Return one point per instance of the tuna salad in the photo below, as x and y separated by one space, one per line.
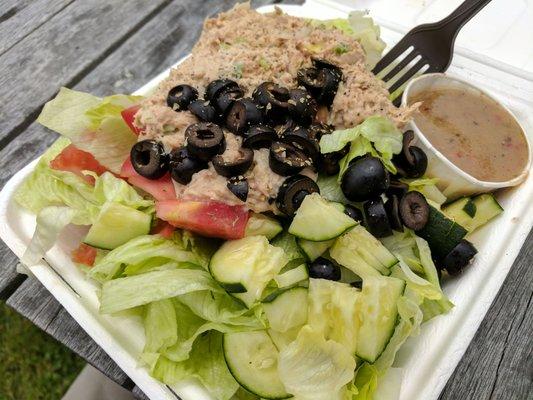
250 72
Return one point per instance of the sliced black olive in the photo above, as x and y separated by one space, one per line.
203 110
292 192
412 162
218 86
461 256
353 212
365 178
397 188
225 99
236 167
376 219
259 136
324 64
285 159
414 210
302 107
205 140
285 125
392 207
329 162
179 97
316 131
322 268
149 159
321 83
238 185
242 114
274 100
301 139
183 166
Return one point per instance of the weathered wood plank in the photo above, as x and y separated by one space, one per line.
18 18
34 302
499 362
138 393
10 280
61 52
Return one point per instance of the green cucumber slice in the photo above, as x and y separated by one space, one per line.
485 207
292 276
117 224
313 250
378 313
252 359
319 220
288 310
259 224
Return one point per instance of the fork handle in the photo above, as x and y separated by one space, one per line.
462 14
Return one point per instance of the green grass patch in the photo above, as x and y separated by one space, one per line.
32 364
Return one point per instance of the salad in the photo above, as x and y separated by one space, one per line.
261 211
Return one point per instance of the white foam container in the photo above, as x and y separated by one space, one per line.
428 359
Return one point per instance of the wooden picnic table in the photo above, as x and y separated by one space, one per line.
112 46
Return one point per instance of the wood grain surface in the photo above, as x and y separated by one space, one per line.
105 47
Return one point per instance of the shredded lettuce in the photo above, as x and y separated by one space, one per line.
160 325
313 368
92 124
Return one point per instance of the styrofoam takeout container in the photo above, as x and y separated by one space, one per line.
453 181
428 360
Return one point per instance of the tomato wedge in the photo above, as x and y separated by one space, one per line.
207 218
160 189
84 254
163 228
74 160
128 115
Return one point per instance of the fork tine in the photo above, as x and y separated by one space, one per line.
408 75
401 65
392 55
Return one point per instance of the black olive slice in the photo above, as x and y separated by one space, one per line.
322 268
225 99
412 162
300 139
325 64
179 97
302 107
329 162
218 86
392 207
259 136
316 131
149 159
238 185
183 166
308 78
236 167
274 100
376 219
460 257
292 191
397 188
242 114
321 83
365 178
353 212
205 140
414 210
286 160
287 125
203 110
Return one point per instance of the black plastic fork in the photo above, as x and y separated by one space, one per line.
432 43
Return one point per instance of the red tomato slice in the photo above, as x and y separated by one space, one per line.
128 115
163 228
161 189
75 160
207 218
84 254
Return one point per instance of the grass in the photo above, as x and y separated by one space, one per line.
32 364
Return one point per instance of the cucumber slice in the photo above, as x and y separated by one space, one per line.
292 276
441 233
252 359
378 313
472 213
245 266
313 250
283 339
117 224
362 253
288 310
319 220
261 225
